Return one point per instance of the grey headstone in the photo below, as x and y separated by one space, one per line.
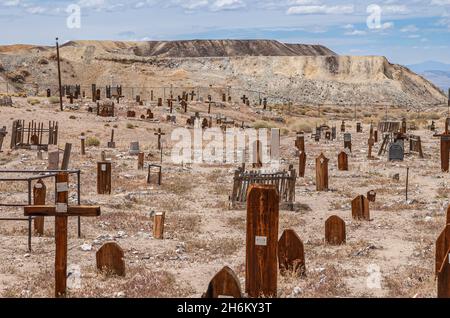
134 148
347 137
396 151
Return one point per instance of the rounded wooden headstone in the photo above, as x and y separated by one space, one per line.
110 259
360 208
224 283
335 231
291 254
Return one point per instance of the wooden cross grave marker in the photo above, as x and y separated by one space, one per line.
61 212
302 164
159 134
443 289
370 142
442 246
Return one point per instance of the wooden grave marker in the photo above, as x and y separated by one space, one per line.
302 164
3 134
262 241
442 246
343 161
291 254
110 259
61 212
371 196
104 177
257 155
224 284
83 143
53 160
343 126
158 225
443 289
335 231
322 173
448 215
39 195
348 141
112 144
66 157
140 164
159 172
360 208
159 134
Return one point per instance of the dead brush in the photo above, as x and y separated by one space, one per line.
325 283
222 247
183 225
128 221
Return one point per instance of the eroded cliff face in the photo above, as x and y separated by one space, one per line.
304 79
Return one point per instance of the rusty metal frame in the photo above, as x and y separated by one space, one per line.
38 174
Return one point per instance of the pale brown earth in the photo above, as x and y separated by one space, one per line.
202 235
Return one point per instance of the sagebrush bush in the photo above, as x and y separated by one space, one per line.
92 142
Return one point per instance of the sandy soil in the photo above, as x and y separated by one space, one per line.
202 235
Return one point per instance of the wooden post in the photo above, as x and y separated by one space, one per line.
224 283
442 246
62 198
59 77
159 134
39 195
445 149
360 208
83 148
322 173
262 240
158 225
291 254
343 161
141 161
335 231
104 177
66 157
302 164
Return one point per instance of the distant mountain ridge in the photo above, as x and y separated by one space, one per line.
210 48
436 72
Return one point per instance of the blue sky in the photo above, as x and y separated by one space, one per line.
408 31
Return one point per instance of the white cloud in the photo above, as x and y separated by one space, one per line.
227 5
36 10
356 32
410 28
322 9
441 2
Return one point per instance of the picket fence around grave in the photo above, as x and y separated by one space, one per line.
284 182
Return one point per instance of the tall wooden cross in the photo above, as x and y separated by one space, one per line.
61 212
192 94
244 99
159 134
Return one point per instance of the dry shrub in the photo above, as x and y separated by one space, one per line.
306 125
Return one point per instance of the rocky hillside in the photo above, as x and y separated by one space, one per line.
206 48
307 75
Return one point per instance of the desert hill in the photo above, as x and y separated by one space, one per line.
304 74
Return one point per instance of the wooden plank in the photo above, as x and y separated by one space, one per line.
39 195
110 259
335 231
45 210
66 157
224 283
262 241
302 164
291 255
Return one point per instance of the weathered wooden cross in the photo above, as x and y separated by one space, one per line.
61 211
159 134
370 142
